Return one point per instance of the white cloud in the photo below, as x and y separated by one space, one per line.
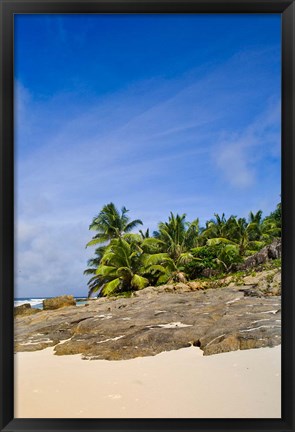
233 161
50 259
238 156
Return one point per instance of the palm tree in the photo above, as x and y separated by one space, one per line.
255 217
145 234
276 215
272 225
240 234
169 250
220 227
111 223
246 235
162 269
255 225
121 268
177 236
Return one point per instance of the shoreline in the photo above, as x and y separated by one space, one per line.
173 384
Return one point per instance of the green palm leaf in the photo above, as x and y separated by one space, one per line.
157 268
89 271
185 258
218 241
124 271
103 270
131 225
152 241
95 241
139 282
112 286
158 258
164 278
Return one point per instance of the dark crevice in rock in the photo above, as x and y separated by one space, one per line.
197 343
80 320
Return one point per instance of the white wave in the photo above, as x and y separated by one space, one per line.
33 302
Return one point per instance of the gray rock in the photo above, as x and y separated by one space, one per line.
269 252
216 320
58 302
25 309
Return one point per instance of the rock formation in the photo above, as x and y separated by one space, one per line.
239 316
25 309
58 302
269 252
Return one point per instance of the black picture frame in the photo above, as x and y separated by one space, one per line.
7 10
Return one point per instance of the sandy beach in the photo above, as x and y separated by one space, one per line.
181 383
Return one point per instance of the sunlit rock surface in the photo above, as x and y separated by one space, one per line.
161 319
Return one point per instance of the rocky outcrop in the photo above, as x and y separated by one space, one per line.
269 285
25 309
179 287
269 252
58 302
258 284
155 320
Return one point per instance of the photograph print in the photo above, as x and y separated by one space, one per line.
147 216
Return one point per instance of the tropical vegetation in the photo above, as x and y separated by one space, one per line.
178 251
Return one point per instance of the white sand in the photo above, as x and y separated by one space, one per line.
180 384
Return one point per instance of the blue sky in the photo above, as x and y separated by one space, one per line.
158 113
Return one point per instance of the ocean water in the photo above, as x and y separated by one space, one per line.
37 303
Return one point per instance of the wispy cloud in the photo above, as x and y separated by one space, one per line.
239 155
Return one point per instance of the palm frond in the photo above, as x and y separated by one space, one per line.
256 245
132 238
96 241
145 235
89 271
185 258
122 271
157 258
108 257
139 282
104 270
133 224
152 241
95 279
164 278
218 241
111 287
157 268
